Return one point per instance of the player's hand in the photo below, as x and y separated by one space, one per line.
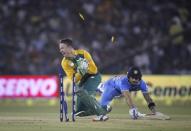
82 66
133 113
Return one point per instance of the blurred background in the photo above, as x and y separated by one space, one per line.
152 34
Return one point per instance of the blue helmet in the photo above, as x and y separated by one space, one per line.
135 73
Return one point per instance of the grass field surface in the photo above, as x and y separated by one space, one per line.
19 117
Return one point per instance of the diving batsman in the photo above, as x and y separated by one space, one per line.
123 85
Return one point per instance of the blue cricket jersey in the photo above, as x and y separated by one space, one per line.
116 85
121 83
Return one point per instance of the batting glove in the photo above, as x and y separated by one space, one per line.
133 113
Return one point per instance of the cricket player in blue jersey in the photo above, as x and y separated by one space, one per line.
123 85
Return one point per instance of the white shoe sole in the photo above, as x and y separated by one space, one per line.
97 120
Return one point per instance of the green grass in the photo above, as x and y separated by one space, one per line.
19 117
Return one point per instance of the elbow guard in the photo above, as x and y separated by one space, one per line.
151 105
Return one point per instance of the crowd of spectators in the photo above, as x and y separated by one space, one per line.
151 34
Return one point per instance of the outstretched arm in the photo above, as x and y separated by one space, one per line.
132 109
128 99
150 102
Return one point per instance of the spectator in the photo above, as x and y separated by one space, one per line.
30 29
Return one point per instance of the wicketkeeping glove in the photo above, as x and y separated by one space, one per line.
82 66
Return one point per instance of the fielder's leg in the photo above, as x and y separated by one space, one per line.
90 85
90 102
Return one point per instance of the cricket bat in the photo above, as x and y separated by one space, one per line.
156 116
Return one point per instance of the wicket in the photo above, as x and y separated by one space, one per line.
73 98
63 103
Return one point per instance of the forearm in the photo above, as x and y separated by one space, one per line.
128 99
77 77
151 104
130 103
132 109
92 68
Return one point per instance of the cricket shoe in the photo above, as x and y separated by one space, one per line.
109 108
100 118
100 88
80 113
